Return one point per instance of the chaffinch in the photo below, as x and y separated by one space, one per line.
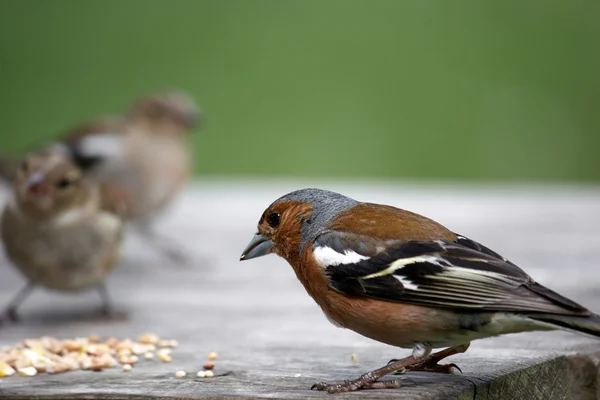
402 279
142 158
56 229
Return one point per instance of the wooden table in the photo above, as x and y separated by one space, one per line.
267 330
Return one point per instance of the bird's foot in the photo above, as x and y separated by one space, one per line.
416 362
359 384
11 315
431 362
370 380
108 313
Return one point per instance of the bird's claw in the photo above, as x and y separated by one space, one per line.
110 314
11 315
455 367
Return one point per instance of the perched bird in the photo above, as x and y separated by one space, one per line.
57 231
405 280
142 158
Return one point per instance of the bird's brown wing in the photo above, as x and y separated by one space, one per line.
112 124
384 222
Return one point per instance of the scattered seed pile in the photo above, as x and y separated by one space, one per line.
54 356
203 373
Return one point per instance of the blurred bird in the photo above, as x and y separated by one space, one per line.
405 280
56 229
9 167
143 158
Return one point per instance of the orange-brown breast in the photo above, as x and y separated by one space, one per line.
389 322
393 323
387 222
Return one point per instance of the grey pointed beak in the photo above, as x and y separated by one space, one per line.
259 246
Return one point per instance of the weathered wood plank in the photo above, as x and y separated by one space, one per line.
266 329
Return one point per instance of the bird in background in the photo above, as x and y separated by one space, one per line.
142 158
405 280
59 230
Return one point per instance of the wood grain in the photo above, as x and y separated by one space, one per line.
266 329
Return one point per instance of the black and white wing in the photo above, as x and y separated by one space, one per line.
462 274
93 150
96 142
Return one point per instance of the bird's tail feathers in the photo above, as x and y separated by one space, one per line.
587 325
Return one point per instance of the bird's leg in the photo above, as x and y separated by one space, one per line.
430 363
10 313
370 380
106 308
173 253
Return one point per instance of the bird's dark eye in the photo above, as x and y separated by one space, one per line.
273 219
63 183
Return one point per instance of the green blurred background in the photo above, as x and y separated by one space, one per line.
441 89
